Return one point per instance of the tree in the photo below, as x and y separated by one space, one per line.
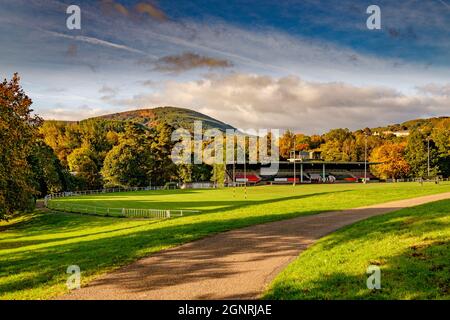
218 174
441 138
201 172
392 161
18 133
302 142
339 146
129 163
416 154
286 144
163 169
82 165
48 174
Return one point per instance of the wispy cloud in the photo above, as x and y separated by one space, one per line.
96 41
444 3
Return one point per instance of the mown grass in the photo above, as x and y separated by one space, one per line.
410 246
35 250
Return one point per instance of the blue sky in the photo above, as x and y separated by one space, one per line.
306 65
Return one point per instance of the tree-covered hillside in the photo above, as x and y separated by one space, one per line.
175 117
417 124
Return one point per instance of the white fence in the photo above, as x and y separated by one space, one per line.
153 213
101 191
67 206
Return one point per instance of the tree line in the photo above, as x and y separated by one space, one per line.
41 157
398 157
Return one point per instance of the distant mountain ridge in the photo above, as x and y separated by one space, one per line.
177 117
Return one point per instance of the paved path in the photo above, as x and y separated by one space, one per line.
237 264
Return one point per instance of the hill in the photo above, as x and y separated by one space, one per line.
177 117
438 122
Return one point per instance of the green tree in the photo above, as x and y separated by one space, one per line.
82 165
129 163
163 169
441 138
416 153
201 172
48 174
218 174
18 133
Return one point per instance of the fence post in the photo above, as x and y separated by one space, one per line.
168 214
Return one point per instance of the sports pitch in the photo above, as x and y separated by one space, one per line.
36 249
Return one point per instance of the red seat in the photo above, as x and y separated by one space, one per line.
250 178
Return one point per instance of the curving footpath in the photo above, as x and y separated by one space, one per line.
238 264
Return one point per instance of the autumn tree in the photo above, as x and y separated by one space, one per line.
339 145
392 162
18 133
286 144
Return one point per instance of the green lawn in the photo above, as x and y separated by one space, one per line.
411 247
36 249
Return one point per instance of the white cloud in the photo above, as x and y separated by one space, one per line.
435 89
254 101
61 112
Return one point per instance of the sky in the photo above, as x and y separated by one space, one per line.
305 65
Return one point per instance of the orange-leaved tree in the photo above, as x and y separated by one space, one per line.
18 134
392 163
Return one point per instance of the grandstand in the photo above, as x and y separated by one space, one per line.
301 169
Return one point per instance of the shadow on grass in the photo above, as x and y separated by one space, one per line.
219 205
118 250
400 221
49 264
412 274
420 271
7 244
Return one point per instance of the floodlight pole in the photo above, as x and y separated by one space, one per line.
245 176
428 161
365 159
293 152
234 176
301 170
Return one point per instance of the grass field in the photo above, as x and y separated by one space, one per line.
411 247
36 249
